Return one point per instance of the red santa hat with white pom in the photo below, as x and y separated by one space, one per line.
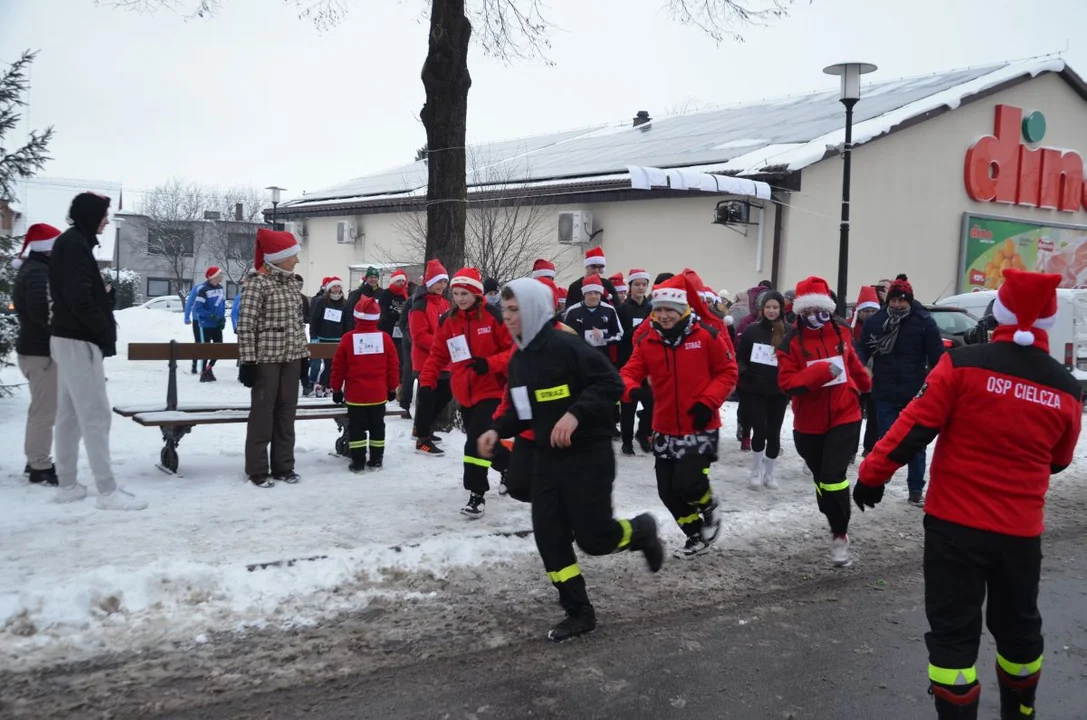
39 238
543 269
367 309
1027 300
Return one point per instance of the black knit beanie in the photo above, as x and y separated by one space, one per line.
663 276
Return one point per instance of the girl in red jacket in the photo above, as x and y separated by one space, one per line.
820 371
423 320
692 370
474 341
365 374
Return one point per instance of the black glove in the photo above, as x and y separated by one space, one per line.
866 495
247 374
337 397
391 396
480 366
702 414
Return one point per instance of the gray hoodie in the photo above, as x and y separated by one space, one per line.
537 308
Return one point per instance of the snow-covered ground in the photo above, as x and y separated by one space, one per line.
78 582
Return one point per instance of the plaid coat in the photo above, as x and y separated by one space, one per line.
271 326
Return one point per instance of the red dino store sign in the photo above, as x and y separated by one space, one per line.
1000 168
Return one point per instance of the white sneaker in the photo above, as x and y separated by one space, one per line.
711 522
754 479
120 499
695 546
75 493
768 478
839 551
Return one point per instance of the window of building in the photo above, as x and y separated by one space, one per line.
170 242
157 287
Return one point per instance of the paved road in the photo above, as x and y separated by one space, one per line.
848 649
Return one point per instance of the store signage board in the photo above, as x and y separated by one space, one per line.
1001 169
991 245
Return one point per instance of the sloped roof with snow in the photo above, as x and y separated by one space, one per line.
767 137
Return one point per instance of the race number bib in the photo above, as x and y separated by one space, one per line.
519 396
835 360
595 337
333 315
397 332
458 349
369 343
764 354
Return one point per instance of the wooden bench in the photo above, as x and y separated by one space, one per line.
176 420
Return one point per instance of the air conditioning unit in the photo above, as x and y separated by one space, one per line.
575 228
346 233
298 229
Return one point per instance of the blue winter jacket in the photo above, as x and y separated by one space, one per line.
209 307
235 310
897 377
189 302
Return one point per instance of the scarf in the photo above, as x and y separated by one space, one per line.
885 343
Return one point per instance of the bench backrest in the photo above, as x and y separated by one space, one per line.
209 351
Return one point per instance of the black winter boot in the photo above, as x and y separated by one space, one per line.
577 622
1017 694
44 477
644 537
956 702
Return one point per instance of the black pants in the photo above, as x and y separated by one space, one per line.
961 564
827 457
407 377
519 474
764 414
366 429
629 411
743 430
477 420
871 423
431 403
571 500
684 488
209 335
196 338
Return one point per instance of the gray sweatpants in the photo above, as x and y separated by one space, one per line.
41 373
82 412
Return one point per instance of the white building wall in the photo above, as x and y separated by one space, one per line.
908 195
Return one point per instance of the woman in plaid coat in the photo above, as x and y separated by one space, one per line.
271 350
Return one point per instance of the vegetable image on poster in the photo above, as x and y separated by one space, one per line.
992 245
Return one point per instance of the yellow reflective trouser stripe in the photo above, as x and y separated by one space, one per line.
704 499
688 519
567 573
364 404
377 443
354 444
1017 669
1024 710
469 460
831 487
556 393
627 532
945 676
705 471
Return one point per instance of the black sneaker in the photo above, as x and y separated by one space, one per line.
262 481
44 477
205 377
425 447
26 469
628 449
211 374
357 469
644 537
474 507
917 499
193 371
645 445
291 478
579 622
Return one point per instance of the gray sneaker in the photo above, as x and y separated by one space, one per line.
917 499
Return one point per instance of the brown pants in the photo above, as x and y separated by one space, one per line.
274 398
41 372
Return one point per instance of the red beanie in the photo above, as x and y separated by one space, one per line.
212 271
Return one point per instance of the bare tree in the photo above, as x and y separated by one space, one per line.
229 242
174 210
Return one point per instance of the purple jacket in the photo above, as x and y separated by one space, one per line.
752 308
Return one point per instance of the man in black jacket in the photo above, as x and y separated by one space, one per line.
594 265
565 392
31 297
84 333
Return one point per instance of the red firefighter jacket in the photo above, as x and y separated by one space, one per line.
804 373
1007 418
700 367
423 319
365 372
485 336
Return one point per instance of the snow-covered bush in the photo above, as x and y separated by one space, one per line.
126 283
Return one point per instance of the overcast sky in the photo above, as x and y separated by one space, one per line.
257 96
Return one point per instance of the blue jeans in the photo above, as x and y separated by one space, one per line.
314 370
886 414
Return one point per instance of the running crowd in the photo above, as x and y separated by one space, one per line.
546 379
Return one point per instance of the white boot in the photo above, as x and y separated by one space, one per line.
754 480
768 478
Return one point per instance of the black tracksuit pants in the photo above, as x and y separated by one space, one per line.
765 414
961 564
519 474
431 403
827 457
366 429
478 420
571 500
196 338
207 335
684 487
629 411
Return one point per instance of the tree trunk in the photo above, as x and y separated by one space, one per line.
445 117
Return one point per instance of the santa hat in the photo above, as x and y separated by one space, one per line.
867 300
1027 300
398 277
367 309
543 268
672 293
435 272
595 256
213 271
553 288
39 238
470 279
324 282
331 282
593 283
637 274
618 282
562 293
813 293
273 246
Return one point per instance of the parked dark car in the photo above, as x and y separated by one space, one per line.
953 323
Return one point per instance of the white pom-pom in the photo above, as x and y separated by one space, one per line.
729 320
17 263
1023 337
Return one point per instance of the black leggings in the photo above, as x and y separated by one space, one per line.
430 403
477 420
764 414
827 457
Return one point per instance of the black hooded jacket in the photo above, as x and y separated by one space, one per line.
82 310
31 297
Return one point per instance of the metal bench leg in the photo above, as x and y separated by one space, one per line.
343 441
171 436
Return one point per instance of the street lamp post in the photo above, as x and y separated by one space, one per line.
275 190
850 73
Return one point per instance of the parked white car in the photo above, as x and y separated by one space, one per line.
169 303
